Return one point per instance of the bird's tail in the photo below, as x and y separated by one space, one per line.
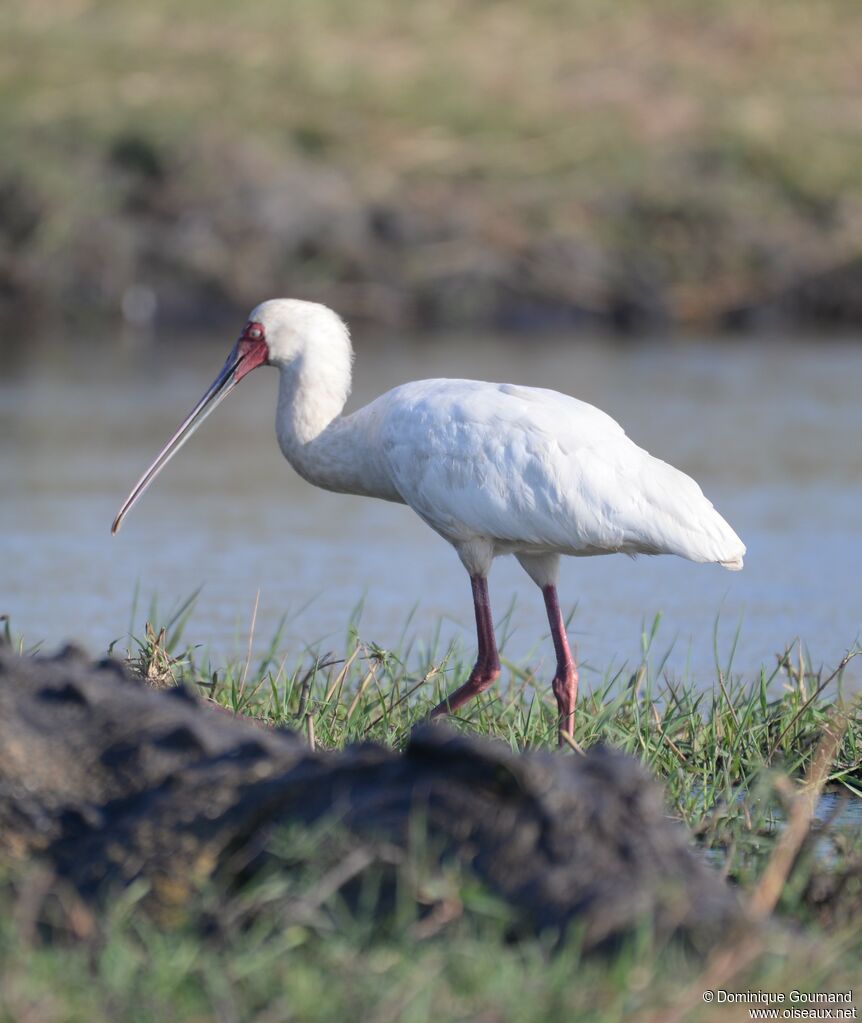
726 547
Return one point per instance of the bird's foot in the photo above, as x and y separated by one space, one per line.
481 678
565 686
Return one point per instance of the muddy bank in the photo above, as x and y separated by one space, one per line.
158 235
107 781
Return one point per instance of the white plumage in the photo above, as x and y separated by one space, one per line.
493 468
530 470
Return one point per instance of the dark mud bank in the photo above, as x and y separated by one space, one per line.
105 781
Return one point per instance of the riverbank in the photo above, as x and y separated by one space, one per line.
628 167
726 760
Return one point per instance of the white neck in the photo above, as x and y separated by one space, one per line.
325 448
311 394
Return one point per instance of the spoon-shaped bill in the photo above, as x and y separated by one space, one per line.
220 388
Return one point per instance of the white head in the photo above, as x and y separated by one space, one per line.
290 327
283 332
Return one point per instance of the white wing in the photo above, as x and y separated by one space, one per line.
533 469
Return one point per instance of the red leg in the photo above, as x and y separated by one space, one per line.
565 682
486 670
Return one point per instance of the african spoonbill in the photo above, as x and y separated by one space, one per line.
493 468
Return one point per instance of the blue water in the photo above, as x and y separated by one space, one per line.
769 428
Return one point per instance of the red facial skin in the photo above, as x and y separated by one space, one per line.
251 349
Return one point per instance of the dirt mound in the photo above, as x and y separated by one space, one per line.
107 781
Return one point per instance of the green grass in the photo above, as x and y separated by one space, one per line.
704 743
727 756
329 971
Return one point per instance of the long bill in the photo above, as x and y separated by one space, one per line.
224 383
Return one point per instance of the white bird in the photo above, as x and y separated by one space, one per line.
493 468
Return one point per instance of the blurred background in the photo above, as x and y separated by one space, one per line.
434 164
655 206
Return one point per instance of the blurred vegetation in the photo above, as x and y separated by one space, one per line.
436 164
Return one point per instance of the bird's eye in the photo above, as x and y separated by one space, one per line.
254 331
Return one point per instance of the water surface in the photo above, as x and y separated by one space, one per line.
769 429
